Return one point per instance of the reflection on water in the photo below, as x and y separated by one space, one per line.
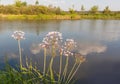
99 40
35 49
87 49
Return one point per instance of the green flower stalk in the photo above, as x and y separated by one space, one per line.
60 66
19 35
65 69
51 63
79 59
44 69
51 69
44 46
20 54
71 72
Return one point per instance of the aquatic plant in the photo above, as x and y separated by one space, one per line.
79 59
69 45
19 35
52 42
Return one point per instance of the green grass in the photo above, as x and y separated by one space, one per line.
38 17
101 16
59 17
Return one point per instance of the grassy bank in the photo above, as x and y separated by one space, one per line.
100 16
59 17
39 17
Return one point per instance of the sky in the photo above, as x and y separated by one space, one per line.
114 5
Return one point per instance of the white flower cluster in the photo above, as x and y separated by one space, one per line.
18 35
79 58
67 53
53 38
69 44
44 45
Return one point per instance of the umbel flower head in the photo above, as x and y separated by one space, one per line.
69 44
79 58
67 48
18 35
67 53
53 38
43 45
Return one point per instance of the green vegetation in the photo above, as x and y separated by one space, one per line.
29 73
94 9
37 2
82 8
19 3
21 10
59 17
39 17
106 10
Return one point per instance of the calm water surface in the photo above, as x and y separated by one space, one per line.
99 40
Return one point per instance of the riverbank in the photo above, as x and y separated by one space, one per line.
39 17
59 17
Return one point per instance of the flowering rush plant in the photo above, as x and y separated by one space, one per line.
53 42
19 35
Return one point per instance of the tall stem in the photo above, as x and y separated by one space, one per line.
60 69
51 63
20 54
65 69
51 70
74 73
44 69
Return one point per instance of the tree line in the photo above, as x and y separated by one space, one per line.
20 7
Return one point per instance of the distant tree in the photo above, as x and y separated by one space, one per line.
58 10
106 10
24 3
37 2
94 9
82 8
71 10
19 3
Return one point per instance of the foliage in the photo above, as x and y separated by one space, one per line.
71 11
94 9
37 2
106 10
58 10
82 8
31 75
20 8
19 3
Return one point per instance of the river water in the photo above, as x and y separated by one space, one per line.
98 40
